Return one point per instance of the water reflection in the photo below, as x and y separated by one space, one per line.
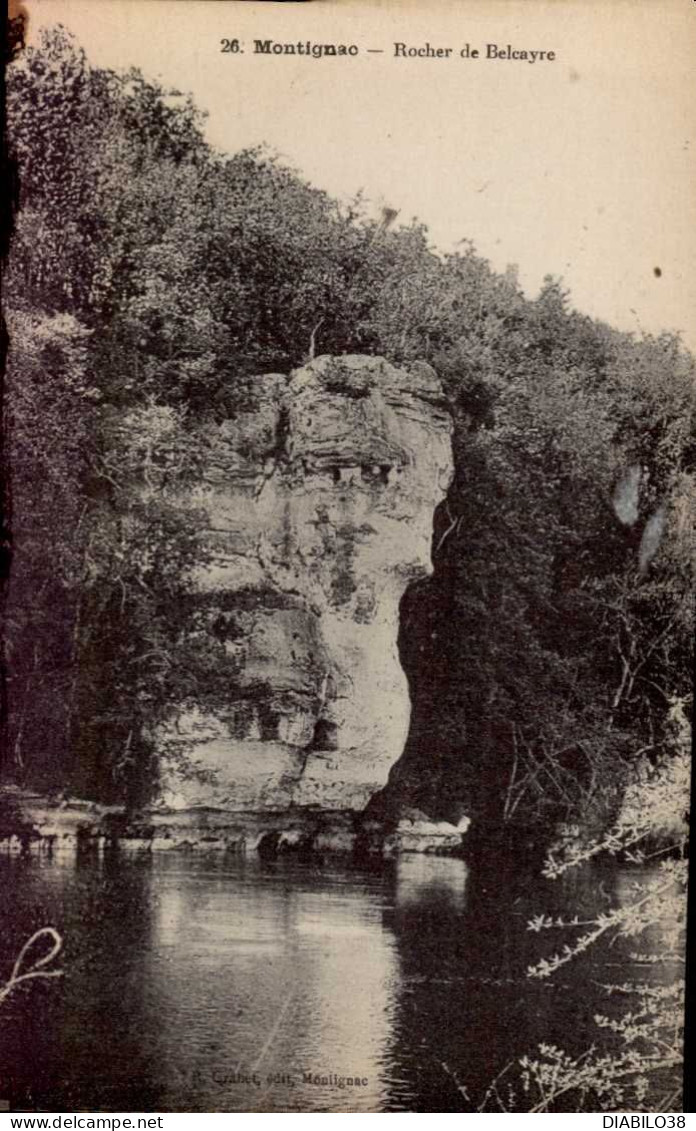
438 880
291 976
463 1002
230 986
190 985
467 1007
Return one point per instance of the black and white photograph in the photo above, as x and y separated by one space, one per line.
349 500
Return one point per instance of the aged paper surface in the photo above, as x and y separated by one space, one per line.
350 433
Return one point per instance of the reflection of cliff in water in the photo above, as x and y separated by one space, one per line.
198 984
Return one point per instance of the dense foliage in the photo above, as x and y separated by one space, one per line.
636 1061
150 279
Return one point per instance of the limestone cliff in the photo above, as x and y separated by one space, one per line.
319 498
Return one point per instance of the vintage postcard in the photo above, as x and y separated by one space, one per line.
349 452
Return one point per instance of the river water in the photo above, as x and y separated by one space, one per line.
198 984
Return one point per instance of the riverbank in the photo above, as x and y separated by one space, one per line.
37 825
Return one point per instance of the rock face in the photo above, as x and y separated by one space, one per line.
319 498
